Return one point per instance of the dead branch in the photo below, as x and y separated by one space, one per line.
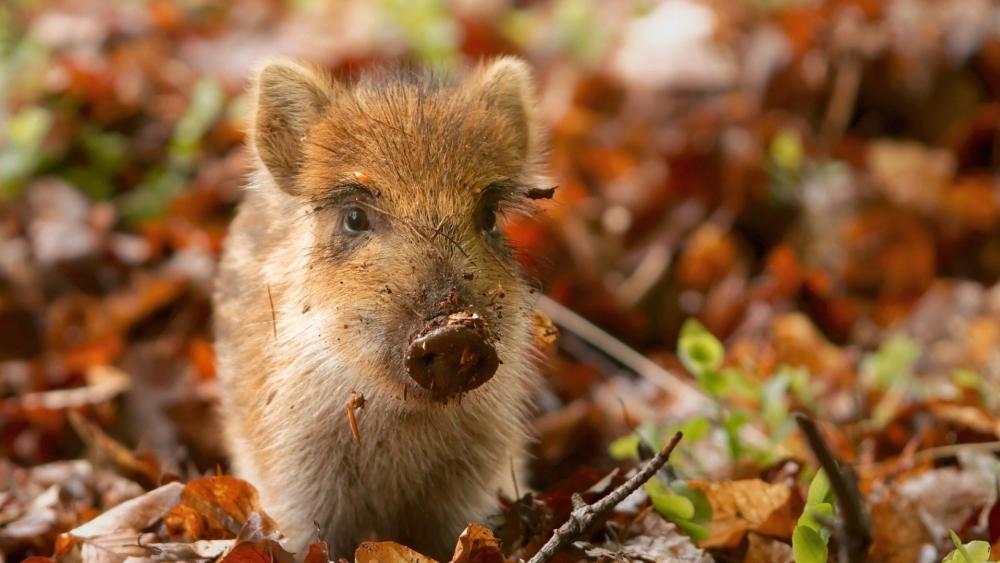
585 515
857 526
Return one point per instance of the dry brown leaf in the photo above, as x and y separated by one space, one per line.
899 534
766 550
652 539
202 549
215 508
971 417
318 552
115 534
745 506
544 330
950 497
261 551
909 173
477 544
388 552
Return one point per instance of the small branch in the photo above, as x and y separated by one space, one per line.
585 515
355 402
274 316
857 527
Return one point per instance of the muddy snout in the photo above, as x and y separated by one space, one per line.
452 354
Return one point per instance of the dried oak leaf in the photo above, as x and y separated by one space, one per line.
749 505
766 550
477 544
388 552
263 551
215 508
257 542
899 534
116 532
651 539
318 552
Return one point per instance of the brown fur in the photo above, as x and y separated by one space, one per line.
432 154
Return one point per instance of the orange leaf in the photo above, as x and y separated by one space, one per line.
215 508
477 544
388 552
749 505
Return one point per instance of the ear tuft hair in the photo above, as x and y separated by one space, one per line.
507 86
289 98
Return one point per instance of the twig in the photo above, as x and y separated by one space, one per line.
357 401
940 452
274 316
585 515
683 392
857 525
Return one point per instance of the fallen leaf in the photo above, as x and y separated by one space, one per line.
761 549
388 552
477 544
318 552
115 534
215 508
749 505
652 539
262 551
544 330
899 536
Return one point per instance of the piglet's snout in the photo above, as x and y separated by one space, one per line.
452 354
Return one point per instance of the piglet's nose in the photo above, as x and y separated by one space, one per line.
452 354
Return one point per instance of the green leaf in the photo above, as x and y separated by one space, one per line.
819 489
206 102
427 27
702 508
809 520
787 151
966 378
808 546
972 552
626 447
667 502
695 429
892 363
21 148
681 504
731 425
699 350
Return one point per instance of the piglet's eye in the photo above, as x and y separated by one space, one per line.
356 220
488 219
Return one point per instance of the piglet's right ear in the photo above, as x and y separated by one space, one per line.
290 97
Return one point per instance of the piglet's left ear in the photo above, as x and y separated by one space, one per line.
506 86
291 97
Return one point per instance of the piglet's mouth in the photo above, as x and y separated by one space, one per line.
452 354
